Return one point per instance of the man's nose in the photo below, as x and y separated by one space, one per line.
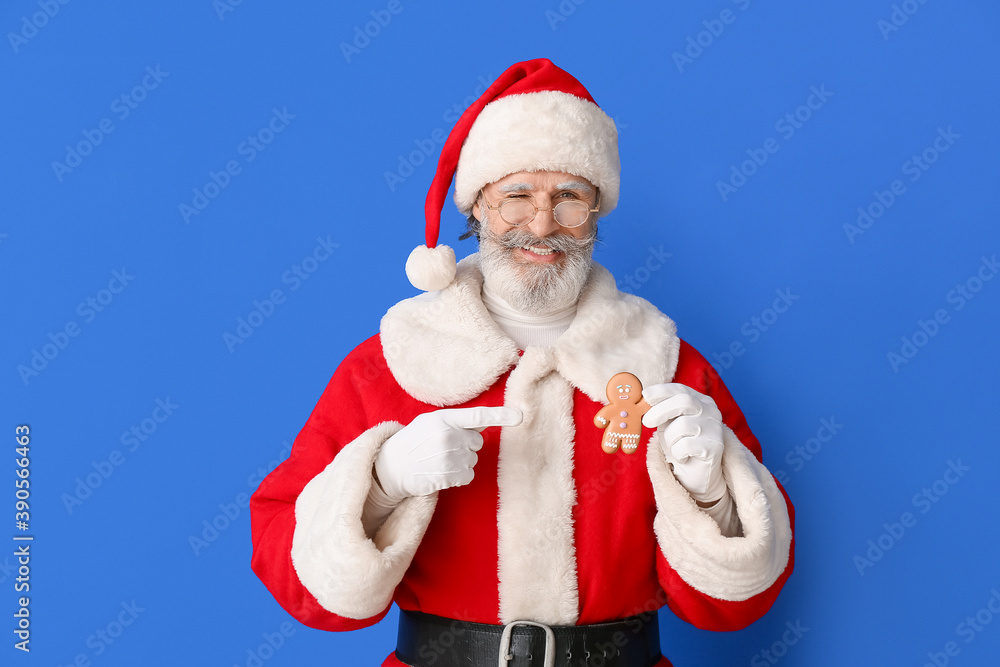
544 224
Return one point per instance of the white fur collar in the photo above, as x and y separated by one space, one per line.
444 349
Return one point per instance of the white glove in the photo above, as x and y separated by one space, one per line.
437 450
690 435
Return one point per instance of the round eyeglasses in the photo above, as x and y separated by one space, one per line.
520 211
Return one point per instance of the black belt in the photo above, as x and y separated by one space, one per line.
432 641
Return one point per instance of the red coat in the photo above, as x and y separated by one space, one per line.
562 534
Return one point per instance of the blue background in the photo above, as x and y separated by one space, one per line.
360 114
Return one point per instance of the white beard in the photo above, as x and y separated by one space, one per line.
535 289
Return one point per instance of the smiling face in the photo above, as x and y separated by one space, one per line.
539 267
624 387
545 189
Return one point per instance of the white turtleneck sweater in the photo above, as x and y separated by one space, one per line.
523 328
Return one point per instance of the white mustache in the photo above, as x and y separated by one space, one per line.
535 288
522 238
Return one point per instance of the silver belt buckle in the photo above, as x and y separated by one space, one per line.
550 643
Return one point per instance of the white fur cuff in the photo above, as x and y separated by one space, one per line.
350 575
726 568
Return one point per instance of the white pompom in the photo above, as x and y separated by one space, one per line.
431 269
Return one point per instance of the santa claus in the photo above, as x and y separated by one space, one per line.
453 465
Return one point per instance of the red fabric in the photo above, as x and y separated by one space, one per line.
530 76
454 572
621 571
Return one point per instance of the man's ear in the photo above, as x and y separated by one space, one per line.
476 213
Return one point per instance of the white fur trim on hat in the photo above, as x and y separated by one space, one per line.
543 131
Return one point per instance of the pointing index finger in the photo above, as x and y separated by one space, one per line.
480 417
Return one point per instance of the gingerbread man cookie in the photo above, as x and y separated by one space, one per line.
622 418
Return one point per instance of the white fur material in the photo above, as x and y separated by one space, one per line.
537 561
444 348
542 131
431 269
727 568
614 332
349 574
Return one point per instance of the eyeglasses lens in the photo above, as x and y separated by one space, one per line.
521 211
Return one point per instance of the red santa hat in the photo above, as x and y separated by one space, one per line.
535 117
